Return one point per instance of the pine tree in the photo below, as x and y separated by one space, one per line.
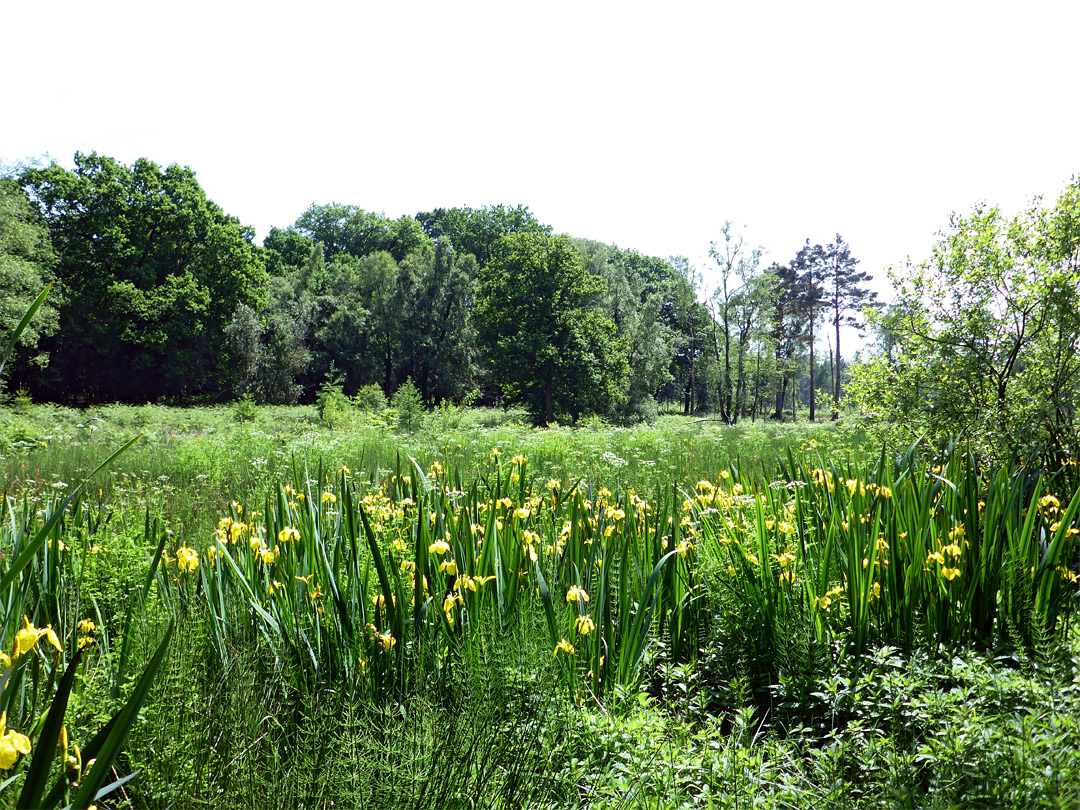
846 297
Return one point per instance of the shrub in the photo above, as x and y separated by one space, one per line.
410 407
245 409
370 399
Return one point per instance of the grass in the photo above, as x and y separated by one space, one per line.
765 626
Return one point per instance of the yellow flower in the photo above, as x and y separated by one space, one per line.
518 460
576 594
950 573
1049 501
28 637
521 513
12 743
86 626
788 577
823 602
288 535
935 556
387 641
439 547
450 567
495 453
784 559
876 590
187 559
584 625
565 646
329 496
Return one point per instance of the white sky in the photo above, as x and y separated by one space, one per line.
646 125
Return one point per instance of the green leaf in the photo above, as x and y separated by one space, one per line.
124 720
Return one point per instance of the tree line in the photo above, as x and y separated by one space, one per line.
159 295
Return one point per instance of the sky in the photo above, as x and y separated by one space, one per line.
643 125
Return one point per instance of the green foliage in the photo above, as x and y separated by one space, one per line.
245 409
548 343
409 406
332 404
27 261
152 271
982 337
370 399
348 229
744 691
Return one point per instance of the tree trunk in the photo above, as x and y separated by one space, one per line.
549 399
836 396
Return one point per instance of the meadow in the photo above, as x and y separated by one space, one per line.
259 607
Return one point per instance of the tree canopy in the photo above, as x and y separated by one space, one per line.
151 271
985 336
548 344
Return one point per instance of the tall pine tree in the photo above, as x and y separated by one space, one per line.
845 297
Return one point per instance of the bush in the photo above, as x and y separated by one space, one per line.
245 409
410 407
370 399
331 402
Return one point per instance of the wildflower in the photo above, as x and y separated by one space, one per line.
876 590
950 573
329 496
1050 501
784 559
439 547
576 594
522 513
552 484
788 577
86 626
519 460
935 556
450 567
187 559
288 535
28 637
823 602
266 556
387 641
495 454
565 646
436 468
12 743
584 625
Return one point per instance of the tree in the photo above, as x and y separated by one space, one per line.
808 266
734 308
478 231
26 266
788 320
548 344
845 297
152 272
349 229
984 336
